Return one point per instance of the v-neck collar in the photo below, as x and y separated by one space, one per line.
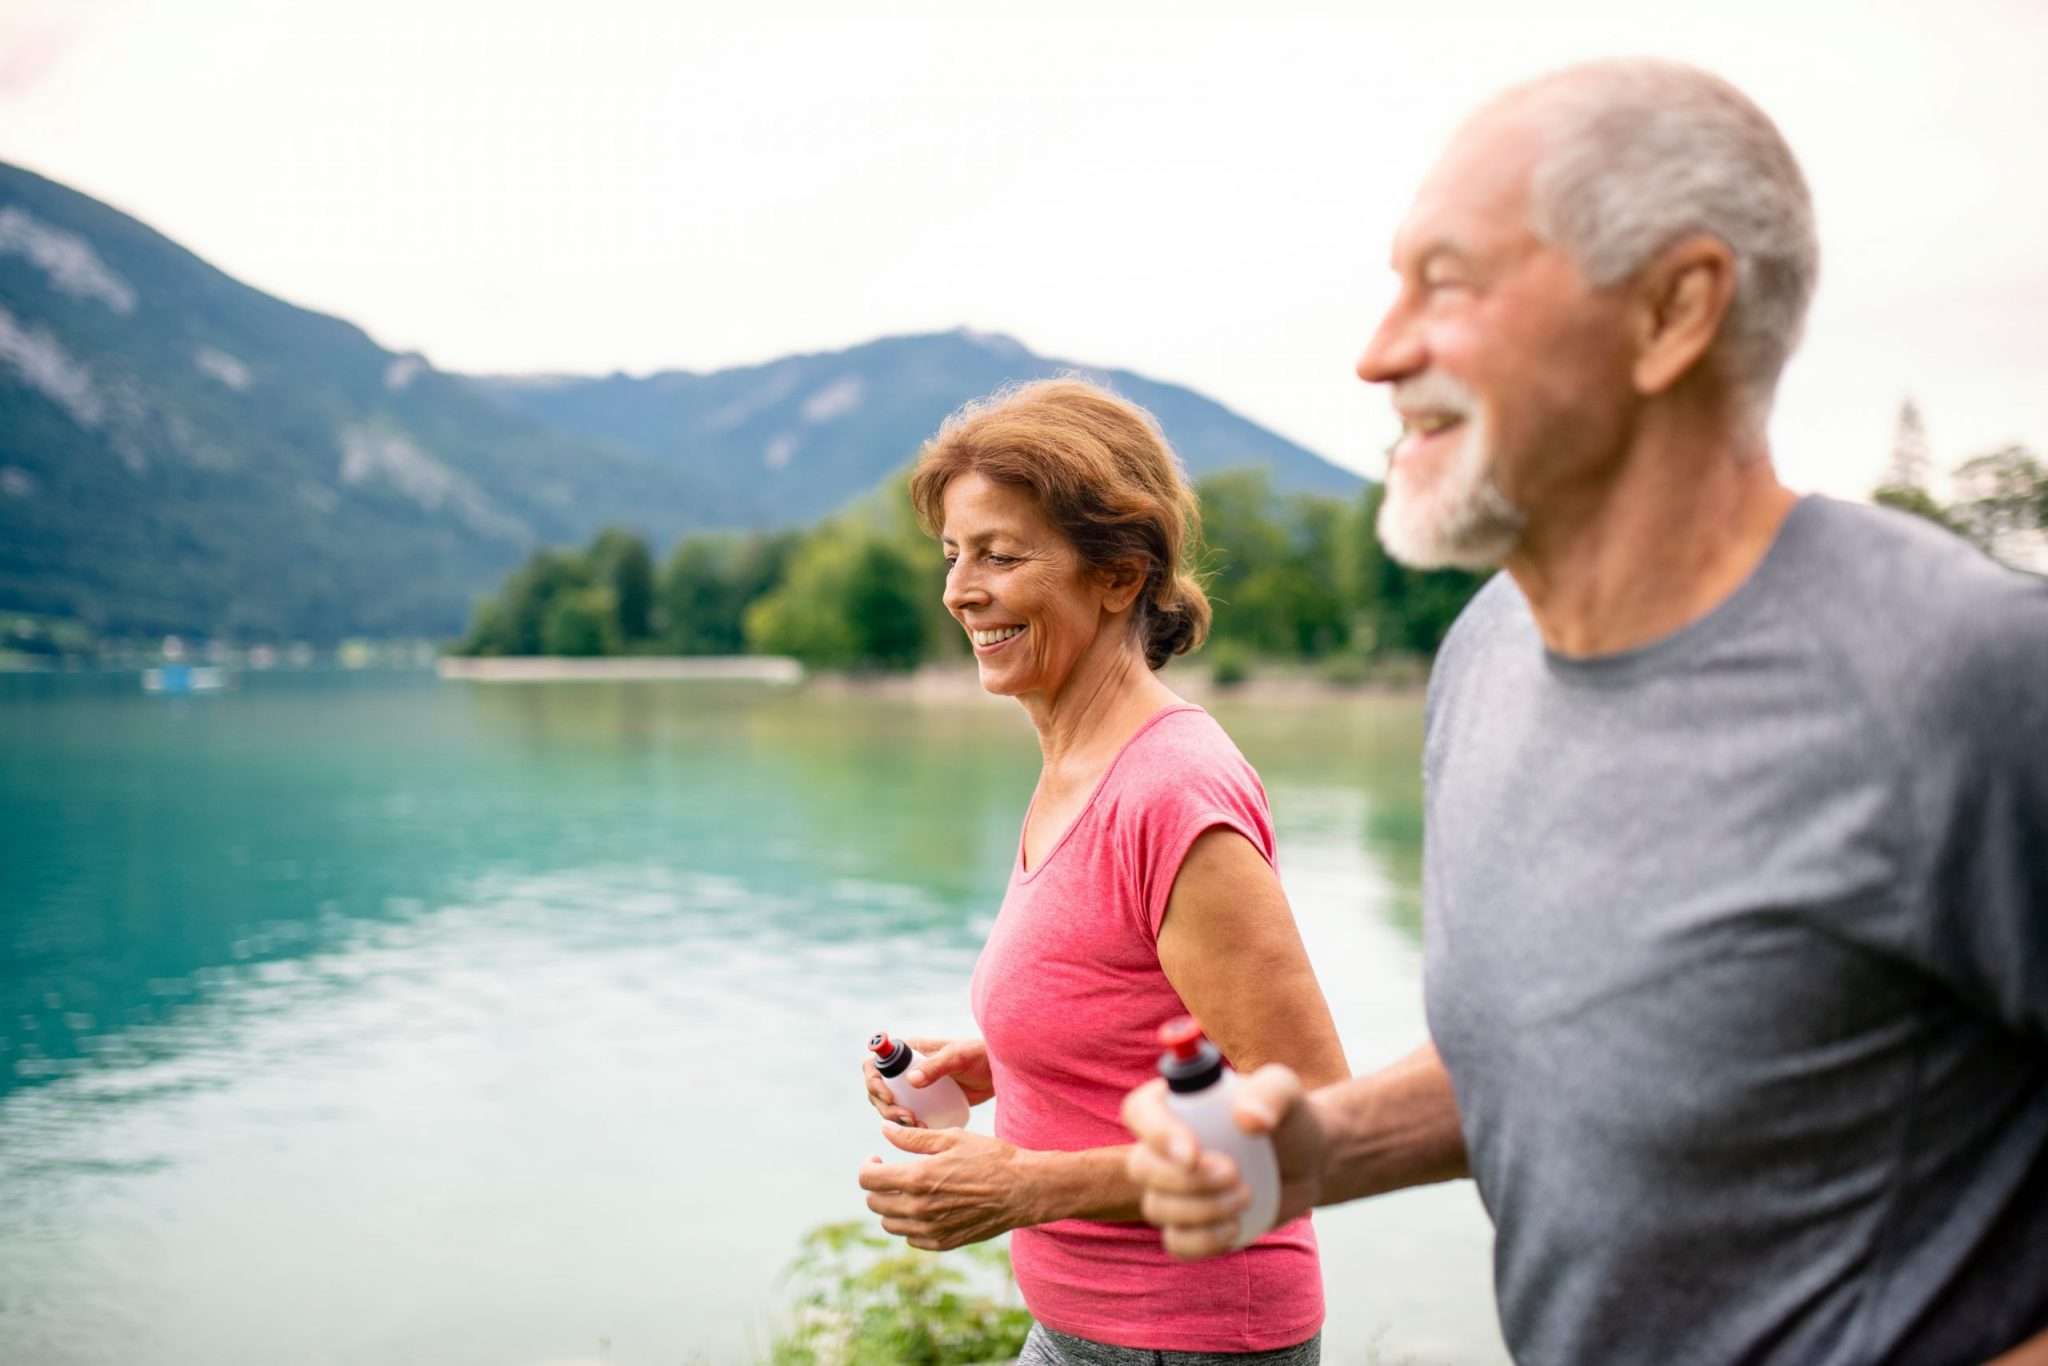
1024 874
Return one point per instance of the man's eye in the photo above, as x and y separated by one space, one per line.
952 560
1002 559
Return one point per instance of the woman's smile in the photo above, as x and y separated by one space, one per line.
988 641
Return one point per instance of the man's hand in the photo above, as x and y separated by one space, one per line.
1396 1128
1194 1197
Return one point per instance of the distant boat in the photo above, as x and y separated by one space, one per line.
178 679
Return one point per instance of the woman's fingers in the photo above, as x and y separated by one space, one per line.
890 1204
907 1228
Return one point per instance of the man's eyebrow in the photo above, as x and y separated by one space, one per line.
1443 249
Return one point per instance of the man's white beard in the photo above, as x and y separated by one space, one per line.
1463 520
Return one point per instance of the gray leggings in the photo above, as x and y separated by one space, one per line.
1046 1348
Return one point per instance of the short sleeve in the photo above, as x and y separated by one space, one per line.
1983 805
1189 781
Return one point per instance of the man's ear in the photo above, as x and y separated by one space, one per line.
1680 303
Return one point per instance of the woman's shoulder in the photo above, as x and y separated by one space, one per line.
1183 751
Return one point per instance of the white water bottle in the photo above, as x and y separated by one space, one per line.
1199 1091
940 1104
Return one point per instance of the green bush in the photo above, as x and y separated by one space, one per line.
869 1300
1229 663
1348 670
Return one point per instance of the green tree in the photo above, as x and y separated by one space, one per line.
1406 610
1917 501
710 581
2002 501
514 622
619 560
583 621
881 601
808 615
1240 538
850 601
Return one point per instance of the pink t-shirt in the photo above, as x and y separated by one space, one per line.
1070 996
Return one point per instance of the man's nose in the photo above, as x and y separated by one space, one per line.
1394 351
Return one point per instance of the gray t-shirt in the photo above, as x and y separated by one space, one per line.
1737 952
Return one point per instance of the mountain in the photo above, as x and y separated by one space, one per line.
794 439
181 452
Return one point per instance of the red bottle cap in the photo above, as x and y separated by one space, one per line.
880 1046
1182 1037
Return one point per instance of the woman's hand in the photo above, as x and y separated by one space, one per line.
967 1189
964 1060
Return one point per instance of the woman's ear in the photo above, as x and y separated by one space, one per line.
1121 583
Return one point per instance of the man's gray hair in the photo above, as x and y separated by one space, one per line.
1641 153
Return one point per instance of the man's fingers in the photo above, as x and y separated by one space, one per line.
1210 1174
1264 1097
1192 1211
1191 1244
906 1228
1154 1126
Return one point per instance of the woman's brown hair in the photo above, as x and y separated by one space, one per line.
1105 477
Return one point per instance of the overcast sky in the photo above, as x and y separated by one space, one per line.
1182 189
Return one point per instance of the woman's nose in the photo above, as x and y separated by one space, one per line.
962 591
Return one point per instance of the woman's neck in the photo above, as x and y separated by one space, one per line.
1108 694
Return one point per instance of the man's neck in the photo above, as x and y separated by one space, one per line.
1685 519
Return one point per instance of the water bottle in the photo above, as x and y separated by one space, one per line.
940 1104
1199 1087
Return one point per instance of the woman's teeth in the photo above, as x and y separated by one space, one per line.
995 637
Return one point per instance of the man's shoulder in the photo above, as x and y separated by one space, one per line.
1925 616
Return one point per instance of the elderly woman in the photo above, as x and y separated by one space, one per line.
1143 889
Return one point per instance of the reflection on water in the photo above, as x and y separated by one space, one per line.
370 1019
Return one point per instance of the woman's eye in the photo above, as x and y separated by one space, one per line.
952 560
1002 559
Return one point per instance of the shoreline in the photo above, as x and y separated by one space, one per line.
774 670
951 683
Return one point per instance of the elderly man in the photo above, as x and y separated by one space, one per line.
1736 854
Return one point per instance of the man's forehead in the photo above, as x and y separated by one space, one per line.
1478 191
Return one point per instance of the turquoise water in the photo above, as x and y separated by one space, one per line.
368 1018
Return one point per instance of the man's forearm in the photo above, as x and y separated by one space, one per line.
1395 1128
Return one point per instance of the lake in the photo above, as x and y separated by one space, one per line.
367 1018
